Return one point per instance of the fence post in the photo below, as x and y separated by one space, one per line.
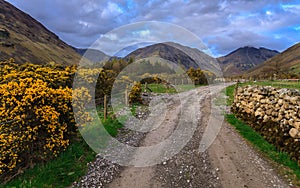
105 107
126 96
145 89
236 88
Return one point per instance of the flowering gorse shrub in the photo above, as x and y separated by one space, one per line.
55 75
81 97
36 116
135 93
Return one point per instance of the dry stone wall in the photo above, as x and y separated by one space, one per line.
274 113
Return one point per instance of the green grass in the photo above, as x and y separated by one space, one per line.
276 84
68 167
292 170
186 87
59 172
161 88
134 108
262 145
111 125
229 91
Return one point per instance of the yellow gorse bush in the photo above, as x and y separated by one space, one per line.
80 98
36 116
135 93
55 75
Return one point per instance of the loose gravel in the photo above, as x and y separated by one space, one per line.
101 172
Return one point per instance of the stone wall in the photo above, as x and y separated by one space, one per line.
274 113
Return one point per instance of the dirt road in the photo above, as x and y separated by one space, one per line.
228 162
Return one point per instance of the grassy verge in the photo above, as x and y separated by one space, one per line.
59 172
161 88
266 148
290 168
68 167
280 84
229 91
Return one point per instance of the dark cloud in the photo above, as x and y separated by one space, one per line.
223 25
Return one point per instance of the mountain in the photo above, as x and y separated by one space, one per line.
125 51
92 54
26 40
243 59
205 61
286 63
176 53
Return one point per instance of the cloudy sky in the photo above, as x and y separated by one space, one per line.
223 25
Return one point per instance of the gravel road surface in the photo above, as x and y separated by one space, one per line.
228 162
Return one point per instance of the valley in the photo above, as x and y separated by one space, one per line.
212 102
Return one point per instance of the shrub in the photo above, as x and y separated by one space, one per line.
34 122
135 93
36 116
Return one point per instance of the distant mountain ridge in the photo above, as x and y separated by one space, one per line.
164 51
244 59
287 63
176 53
92 54
26 40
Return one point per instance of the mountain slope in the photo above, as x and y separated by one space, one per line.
92 54
286 63
176 53
205 61
25 39
243 59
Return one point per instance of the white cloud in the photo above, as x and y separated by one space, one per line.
295 8
297 28
142 33
111 10
89 6
268 12
111 36
83 23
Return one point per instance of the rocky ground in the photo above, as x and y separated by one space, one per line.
101 172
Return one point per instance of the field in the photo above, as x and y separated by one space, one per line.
161 88
276 84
